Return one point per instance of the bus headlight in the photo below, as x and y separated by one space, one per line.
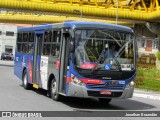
75 80
131 84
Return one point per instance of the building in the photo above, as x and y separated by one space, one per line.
147 45
8 35
147 41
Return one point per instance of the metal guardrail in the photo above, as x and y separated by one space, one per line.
139 10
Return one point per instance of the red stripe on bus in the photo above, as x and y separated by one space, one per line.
91 81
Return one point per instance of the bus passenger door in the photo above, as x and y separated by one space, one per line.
64 61
39 36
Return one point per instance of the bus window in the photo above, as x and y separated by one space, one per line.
19 47
55 50
30 48
19 42
24 48
48 36
46 49
30 42
31 37
25 37
19 37
56 43
47 43
56 36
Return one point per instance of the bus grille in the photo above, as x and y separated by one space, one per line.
104 86
97 94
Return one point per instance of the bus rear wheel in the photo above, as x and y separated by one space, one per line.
53 91
25 83
105 100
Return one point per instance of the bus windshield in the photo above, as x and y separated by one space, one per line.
103 49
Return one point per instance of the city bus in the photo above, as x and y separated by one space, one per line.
69 59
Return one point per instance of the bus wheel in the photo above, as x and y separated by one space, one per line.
53 91
105 100
25 83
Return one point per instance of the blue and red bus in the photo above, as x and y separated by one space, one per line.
69 59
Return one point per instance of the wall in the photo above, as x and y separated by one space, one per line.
9 41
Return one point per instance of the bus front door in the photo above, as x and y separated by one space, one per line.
64 60
39 36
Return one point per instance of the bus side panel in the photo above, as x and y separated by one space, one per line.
23 61
47 67
18 69
52 67
44 72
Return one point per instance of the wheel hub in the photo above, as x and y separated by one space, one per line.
53 87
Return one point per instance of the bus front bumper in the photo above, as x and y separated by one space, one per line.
83 92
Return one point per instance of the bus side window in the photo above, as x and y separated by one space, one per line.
30 42
25 37
31 37
55 50
19 37
19 47
47 43
19 42
46 49
48 36
30 48
56 43
56 36
25 48
25 43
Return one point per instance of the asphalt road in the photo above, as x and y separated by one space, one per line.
13 97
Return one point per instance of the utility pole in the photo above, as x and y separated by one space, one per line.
78 11
117 12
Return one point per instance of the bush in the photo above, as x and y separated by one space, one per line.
148 78
158 55
139 77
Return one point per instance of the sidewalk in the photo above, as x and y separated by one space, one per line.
149 94
6 63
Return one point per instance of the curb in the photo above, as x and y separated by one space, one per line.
153 97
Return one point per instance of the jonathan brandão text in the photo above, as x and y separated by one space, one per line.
140 114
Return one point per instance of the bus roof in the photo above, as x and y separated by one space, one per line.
76 24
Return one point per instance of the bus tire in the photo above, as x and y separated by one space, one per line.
53 91
25 83
105 100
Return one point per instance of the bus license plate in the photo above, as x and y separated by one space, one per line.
105 92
